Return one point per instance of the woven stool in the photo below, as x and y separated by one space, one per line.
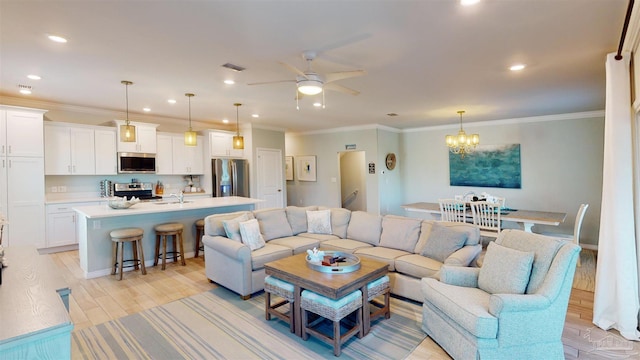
199 232
132 236
284 290
162 232
377 288
334 310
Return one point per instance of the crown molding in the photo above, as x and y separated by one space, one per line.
347 128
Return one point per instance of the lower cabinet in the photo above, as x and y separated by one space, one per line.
61 224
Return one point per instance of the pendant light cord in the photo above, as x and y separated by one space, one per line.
624 30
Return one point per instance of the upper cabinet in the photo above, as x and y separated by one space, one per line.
175 158
221 145
164 154
106 152
145 138
23 136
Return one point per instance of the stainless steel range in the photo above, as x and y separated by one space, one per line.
143 191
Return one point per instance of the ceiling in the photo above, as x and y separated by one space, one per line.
424 59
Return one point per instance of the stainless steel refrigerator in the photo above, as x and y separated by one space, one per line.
230 177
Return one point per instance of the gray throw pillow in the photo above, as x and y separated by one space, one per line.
442 242
505 270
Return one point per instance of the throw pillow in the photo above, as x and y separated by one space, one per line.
251 236
319 222
443 241
232 227
505 270
273 223
399 232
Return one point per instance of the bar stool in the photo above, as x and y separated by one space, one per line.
199 233
132 236
284 290
334 310
162 232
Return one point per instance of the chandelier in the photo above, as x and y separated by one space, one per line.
462 143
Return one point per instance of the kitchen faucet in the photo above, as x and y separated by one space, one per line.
179 196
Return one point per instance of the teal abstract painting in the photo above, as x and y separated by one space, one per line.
495 166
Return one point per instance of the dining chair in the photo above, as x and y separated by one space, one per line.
452 210
575 237
486 216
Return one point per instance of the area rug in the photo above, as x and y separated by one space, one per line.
218 325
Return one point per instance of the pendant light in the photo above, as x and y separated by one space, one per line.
238 141
127 131
190 137
462 143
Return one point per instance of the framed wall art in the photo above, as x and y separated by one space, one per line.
288 167
495 166
306 168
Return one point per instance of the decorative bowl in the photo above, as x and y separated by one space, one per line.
122 203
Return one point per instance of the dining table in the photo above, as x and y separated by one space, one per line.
525 218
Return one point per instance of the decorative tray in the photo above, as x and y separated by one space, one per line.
335 262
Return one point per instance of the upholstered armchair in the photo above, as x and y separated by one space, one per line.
513 307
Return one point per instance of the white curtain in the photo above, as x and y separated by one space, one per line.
616 302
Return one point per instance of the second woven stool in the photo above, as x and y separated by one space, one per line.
334 310
162 232
284 290
376 288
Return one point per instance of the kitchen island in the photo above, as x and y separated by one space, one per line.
96 222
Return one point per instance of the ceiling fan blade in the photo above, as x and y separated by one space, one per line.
335 76
293 69
340 88
270 82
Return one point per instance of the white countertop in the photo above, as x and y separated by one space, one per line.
104 211
88 197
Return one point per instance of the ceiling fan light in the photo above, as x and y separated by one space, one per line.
310 87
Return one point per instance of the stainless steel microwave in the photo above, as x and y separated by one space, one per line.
136 163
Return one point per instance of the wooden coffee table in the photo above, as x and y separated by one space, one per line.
294 269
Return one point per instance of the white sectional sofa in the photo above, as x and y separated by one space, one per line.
413 248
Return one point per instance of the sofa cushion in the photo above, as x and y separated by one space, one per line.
298 244
319 237
545 249
344 245
467 307
365 227
381 254
399 232
319 222
297 217
273 223
270 252
250 233
472 231
505 270
232 227
443 241
213 223
340 221
417 266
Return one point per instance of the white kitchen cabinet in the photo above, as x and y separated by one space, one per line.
221 145
187 160
106 152
22 175
164 154
61 223
69 150
145 138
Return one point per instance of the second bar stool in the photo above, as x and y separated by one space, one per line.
199 233
162 232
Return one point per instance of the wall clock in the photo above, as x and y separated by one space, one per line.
391 161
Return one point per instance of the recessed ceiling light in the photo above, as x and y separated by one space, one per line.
226 121
171 101
146 109
468 2
517 67
229 82
34 77
56 38
255 115
317 104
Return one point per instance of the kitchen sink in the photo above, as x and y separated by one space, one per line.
171 202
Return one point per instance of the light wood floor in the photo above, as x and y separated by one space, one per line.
95 301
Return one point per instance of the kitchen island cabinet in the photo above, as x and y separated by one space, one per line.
94 224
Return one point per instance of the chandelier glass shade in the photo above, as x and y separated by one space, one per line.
127 131
190 136
462 143
238 141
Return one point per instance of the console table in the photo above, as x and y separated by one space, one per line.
34 301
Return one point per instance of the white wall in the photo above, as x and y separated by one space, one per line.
561 167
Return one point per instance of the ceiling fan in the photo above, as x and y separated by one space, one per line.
309 82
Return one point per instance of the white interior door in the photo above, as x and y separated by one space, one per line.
269 178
